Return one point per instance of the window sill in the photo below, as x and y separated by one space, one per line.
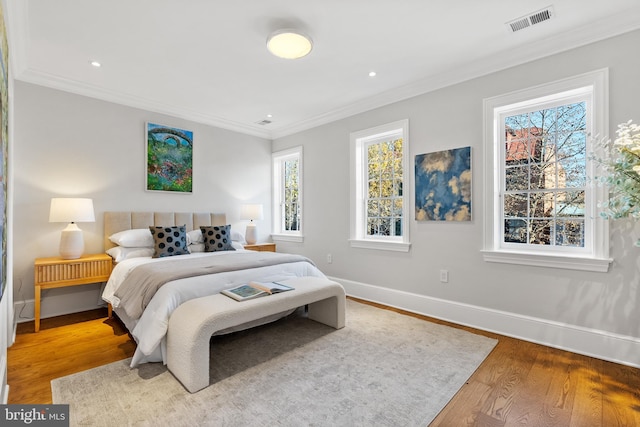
287 238
600 265
380 245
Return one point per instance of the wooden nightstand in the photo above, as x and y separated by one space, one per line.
55 272
262 247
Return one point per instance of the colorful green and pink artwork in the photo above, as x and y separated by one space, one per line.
169 159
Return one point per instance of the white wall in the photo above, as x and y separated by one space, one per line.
581 311
71 145
68 145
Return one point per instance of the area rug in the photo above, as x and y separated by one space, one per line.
382 369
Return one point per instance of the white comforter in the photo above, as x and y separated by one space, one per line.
151 328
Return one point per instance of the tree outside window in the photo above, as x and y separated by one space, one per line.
290 203
538 175
545 176
379 199
287 195
384 190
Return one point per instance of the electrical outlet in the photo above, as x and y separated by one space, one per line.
329 259
444 276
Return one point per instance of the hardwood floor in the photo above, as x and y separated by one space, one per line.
519 384
64 345
524 384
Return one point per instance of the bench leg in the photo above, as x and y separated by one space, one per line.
198 377
329 311
188 359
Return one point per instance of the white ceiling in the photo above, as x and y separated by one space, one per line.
206 60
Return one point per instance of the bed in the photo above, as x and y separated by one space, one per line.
146 314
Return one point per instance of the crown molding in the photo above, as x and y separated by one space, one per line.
525 53
18 25
72 86
17 22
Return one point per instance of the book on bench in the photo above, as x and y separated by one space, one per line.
255 289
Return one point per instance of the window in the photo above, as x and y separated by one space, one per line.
544 158
287 195
379 200
543 210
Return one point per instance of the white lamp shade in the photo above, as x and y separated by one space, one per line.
71 210
251 212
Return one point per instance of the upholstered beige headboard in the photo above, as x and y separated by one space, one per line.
120 221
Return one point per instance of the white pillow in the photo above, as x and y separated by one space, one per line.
136 238
237 237
120 253
196 247
237 246
194 236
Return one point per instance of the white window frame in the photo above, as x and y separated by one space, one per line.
595 255
358 236
278 160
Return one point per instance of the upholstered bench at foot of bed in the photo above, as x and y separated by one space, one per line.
193 323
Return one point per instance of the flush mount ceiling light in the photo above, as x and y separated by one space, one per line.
289 44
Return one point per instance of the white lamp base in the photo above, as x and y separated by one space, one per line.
71 242
251 235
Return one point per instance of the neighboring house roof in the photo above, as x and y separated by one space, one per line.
518 147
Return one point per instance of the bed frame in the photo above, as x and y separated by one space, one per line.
129 220
120 221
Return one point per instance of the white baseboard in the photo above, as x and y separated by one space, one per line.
24 311
589 342
55 305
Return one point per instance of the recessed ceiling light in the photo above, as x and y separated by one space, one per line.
372 73
289 44
95 63
269 115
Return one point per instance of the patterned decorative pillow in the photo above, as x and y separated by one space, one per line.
169 241
217 238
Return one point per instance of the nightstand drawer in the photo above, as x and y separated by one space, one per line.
97 271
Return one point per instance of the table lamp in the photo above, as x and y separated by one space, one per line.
71 210
251 212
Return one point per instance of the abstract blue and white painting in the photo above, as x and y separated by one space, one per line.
443 185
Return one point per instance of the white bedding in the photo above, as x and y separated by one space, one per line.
151 328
